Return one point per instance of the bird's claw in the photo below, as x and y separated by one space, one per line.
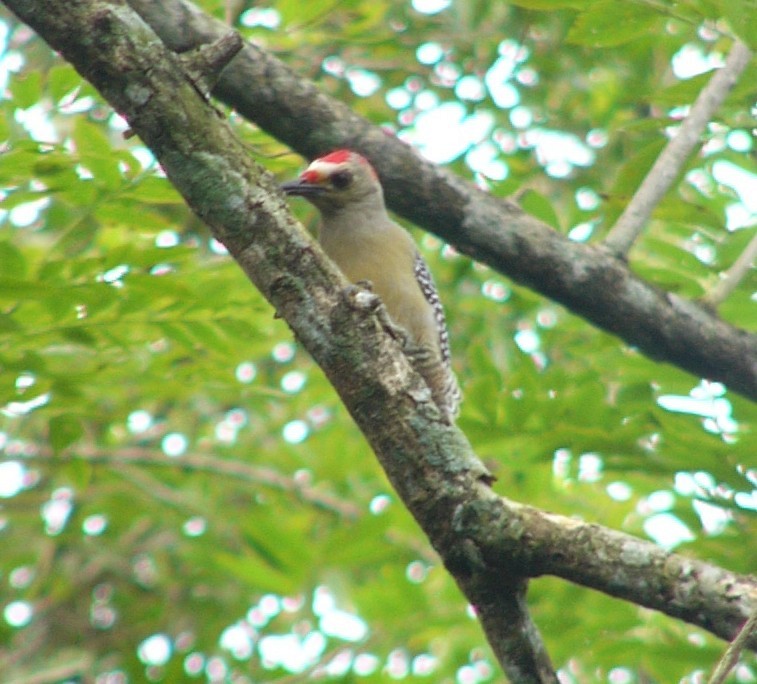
362 297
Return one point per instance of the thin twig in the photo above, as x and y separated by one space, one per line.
144 482
732 653
72 668
672 159
261 475
732 277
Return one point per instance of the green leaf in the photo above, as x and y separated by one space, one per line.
63 79
96 154
255 572
609 23
5 116
19 289
635 168
64 430
547 5
732 247
153 190
742 17
539 206
13 261
26 89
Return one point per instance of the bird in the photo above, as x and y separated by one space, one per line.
357 233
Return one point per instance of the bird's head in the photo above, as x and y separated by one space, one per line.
337 180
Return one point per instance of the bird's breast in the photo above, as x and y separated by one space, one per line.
388 264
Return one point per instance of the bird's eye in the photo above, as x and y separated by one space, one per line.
341 179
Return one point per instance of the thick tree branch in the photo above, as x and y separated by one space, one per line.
587 280
613 562
488 543
668 165
110 46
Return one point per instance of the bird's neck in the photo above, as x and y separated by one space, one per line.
369 217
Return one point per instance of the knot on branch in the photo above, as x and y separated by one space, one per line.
204 64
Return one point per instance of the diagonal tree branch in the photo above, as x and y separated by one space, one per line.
588 280
669 164
110 46
733 276
731 656
489 544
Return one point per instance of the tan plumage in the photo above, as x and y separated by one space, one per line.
358 235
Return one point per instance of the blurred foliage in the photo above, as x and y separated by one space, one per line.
183 470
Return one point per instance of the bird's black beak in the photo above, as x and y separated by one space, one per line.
301 188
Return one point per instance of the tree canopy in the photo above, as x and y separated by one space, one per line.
185 497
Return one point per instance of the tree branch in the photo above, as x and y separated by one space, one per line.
588 280
488 543
731 656
732 277
205 63
668 165
259 475
500 605
110 46
612 562
72 666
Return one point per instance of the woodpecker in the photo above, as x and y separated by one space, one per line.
358 235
